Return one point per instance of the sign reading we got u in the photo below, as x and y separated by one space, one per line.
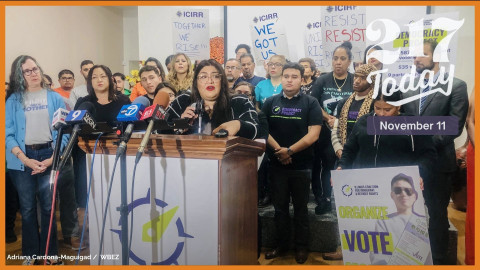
190 28
268 36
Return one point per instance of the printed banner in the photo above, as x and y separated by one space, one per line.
269 38
190 28
340 24
402 65
381 216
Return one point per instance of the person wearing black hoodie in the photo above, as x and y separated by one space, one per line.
371 151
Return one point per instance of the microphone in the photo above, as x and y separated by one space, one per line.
130 113
77 118
58 122
198 110
152 113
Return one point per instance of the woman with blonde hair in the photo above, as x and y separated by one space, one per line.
181 75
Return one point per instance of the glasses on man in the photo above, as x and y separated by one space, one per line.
28 72
66 78
214 77
232 68
275 64
399 190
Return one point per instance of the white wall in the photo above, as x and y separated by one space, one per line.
130 39
60 37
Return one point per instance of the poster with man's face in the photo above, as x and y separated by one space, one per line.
381 216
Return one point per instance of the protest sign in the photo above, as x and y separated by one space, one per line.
268 36
340 24
401 48
381 216
191 34
313 45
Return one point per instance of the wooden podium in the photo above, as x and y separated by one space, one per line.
195 200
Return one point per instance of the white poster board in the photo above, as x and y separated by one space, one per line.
314 47
191 34
268 36
340 24
377 225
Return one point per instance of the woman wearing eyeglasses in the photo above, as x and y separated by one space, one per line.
404 196
216 109
28 138
273 84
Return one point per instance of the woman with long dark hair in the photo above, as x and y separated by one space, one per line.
102 94
28 138
218 111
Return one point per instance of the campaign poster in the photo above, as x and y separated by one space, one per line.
340 24
268 36
443 28
314 47
191 35
381 216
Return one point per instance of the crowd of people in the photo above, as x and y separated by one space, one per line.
312 123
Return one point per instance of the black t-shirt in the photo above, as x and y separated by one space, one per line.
307 88
352 112
149 99
288 122
108 112
326 91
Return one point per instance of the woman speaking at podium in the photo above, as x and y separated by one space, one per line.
210 107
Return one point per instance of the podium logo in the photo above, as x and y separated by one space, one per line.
157 233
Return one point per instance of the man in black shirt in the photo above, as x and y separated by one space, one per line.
353 107
294 121
150 79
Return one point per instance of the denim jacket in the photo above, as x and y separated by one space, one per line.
15 126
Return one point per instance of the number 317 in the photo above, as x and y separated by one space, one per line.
415 30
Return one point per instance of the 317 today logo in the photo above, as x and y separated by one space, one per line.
416 36
160 235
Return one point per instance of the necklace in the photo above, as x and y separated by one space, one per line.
275 88
339 87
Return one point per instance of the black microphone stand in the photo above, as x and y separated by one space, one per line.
123 209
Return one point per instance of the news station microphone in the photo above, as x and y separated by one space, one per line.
130 113
58 122
77 118
152 113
